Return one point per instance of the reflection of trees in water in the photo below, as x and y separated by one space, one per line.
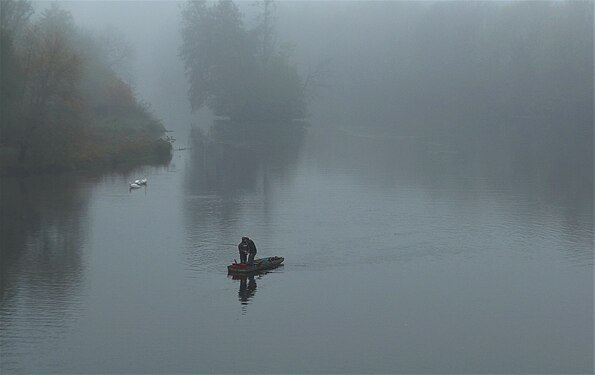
542 163
238 157
42 231
539 160
233 168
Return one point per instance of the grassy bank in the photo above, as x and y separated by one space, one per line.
131 137
108 151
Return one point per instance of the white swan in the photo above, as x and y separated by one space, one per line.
141 182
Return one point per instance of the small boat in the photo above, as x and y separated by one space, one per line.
141 182
134 185
258 265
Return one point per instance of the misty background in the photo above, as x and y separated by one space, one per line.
499 82
435 206
389 64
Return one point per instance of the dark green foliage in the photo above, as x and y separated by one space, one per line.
63 106
230 71
14 16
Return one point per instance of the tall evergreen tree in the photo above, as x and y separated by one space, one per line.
234 71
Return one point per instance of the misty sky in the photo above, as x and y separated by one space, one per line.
367 47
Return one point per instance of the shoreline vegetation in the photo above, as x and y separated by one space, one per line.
64 106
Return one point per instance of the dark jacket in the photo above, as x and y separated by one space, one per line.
251 247
244 248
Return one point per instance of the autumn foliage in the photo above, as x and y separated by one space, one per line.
63 105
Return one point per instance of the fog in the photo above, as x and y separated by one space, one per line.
425 169
495 79
385 62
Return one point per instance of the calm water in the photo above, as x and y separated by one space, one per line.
404 254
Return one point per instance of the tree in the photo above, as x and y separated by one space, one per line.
215 51
234 71
14 19
264 31
52 73
63 104
14 16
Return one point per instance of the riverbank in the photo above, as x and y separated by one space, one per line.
106 151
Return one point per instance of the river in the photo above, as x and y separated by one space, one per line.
405 252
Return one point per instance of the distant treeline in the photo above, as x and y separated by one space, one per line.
523 58
63 105
235 71
414 60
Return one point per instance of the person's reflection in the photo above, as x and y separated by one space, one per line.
247 288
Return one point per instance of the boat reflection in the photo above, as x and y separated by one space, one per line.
248 285
247 288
